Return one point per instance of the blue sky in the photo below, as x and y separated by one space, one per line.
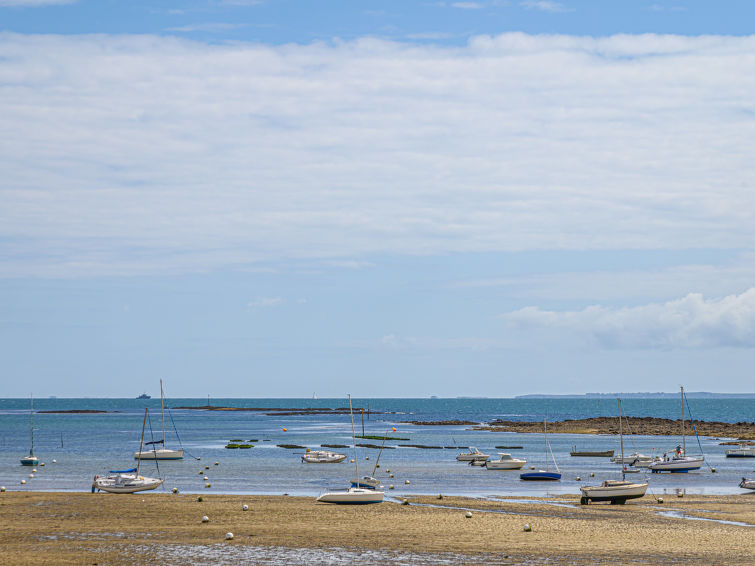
273 198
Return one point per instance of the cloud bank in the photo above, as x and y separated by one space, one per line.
143 154
690 322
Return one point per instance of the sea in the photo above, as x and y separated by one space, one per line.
75 447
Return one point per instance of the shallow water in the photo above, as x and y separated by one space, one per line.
89 444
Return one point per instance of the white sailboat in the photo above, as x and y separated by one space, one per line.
678 462
159 453
744 451
127 481
615 491
353 495
31 459
322 457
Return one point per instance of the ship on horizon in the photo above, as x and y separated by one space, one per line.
144 396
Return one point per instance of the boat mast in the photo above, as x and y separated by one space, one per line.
31 423
621 440
162 410
684 441
354 441
141 443
545 437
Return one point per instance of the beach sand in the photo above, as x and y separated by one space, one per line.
83 528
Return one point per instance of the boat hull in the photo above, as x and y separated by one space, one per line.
163 454
126 484
540 476
615 492
367 482
677 465
603 454
30 461
352 496
747 484
322 457
496 465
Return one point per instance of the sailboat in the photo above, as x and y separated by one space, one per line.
159 453
543 475
678 462
615 491
353 495
371 482
127 481
31 459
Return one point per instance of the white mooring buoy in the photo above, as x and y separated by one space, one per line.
205 518
245 507
229 536
468 514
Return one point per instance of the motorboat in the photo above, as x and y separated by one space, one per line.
615 491
352 496
543 475
747 484
505 462
125 481
678 462
322 457
156 453
31 459
744 451
472 455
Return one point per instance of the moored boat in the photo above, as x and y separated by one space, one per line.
505 462
591 453
163 453
472 455
322 457
543 475
678 462
31 459
615 491
747 484
744 451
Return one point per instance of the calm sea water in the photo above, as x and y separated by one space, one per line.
89 444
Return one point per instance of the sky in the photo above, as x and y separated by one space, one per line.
268 198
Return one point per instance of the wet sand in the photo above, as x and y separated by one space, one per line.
83 528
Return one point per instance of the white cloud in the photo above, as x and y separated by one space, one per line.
142 154
265 302
467 5
690 322
34 3
545 6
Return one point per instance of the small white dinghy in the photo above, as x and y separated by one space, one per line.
747 484
322 457
505 462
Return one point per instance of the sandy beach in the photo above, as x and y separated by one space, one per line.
84 528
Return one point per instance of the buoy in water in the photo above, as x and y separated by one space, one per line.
23 482
175 490
205 518
205 478
579 478
42 464
198 458
366 457
389 487
229 536
285 429
200 472
31 475
207 485
54 461
34 470
592 474
2 489
217 463
393 429
207 467
407 482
